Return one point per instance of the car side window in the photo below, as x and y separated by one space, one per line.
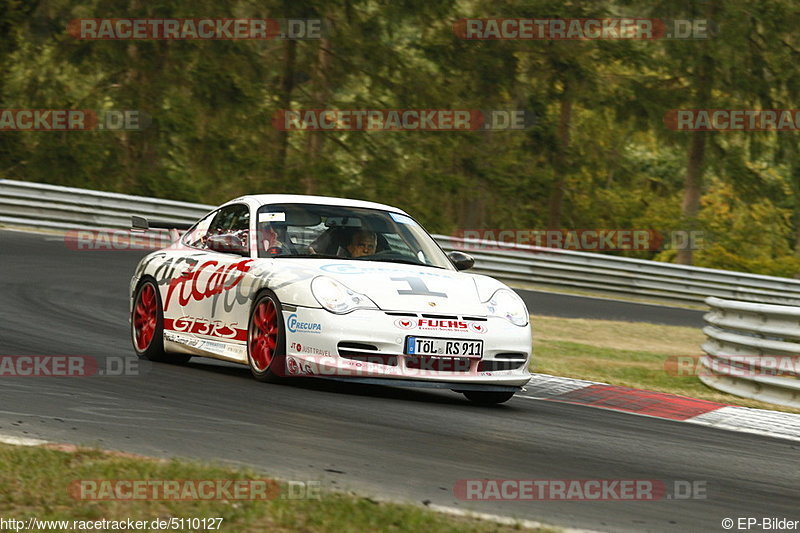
231 219
196 236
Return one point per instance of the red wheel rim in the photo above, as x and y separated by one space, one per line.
145 316
263 334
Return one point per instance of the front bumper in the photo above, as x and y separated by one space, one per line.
368 345
456 386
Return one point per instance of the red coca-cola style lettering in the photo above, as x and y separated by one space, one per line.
222 279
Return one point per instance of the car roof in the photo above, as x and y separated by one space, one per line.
266 199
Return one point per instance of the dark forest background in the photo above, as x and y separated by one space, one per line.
598 156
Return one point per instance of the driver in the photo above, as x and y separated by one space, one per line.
362 242
270 241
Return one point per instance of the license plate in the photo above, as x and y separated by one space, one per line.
428 346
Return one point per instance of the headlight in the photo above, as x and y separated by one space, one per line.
506 304
337 298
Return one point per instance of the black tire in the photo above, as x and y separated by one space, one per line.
152 349
273 368
487 398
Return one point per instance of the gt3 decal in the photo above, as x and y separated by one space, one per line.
201 326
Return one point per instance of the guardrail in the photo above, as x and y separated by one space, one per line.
753 350
623 275
50 206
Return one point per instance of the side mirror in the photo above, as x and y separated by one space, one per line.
461 260
227 243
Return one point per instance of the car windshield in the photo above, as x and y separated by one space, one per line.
354 233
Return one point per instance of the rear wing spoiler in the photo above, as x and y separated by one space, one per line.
142 224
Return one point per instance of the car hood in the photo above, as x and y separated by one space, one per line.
408 288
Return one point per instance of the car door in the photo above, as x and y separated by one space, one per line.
175 276
210 309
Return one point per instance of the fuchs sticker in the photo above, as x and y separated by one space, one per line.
436 324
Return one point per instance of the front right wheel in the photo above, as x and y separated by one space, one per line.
487 398
266 345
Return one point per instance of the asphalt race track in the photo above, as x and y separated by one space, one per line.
407 444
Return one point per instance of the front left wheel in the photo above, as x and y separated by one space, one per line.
266 345
147 325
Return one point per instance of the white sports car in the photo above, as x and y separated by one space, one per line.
295 285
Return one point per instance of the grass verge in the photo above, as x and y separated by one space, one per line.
629 354
34 482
